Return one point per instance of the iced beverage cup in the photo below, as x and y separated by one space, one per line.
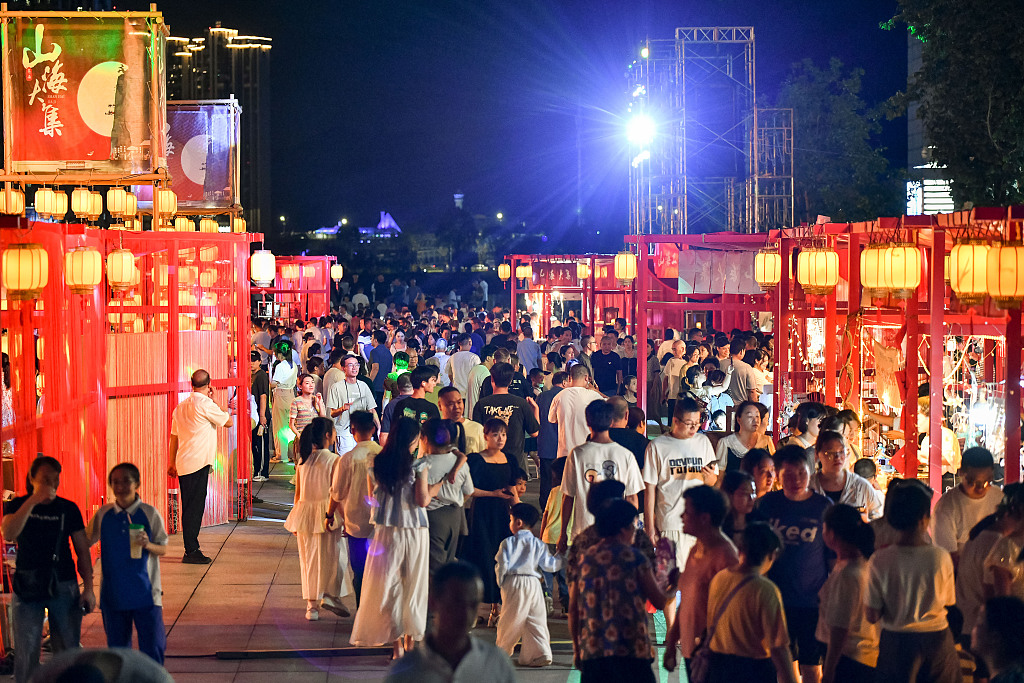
137 534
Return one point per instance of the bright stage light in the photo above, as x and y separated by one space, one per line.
645 52
640 129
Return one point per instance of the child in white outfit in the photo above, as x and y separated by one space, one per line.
520 559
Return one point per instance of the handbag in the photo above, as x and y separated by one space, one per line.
38 585
699 670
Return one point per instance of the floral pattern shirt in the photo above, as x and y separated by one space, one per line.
613 615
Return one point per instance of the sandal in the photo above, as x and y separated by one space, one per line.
492 620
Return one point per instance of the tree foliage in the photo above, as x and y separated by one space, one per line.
838 169
457 232
970 89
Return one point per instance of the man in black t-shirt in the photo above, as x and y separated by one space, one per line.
42 524
607 367
521 415
416 406
626 436
260 389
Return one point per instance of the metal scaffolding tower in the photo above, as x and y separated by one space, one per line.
703 157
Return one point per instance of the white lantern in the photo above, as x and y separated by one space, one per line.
80 202
184 224
872 275
337 272
208 254
817 270
504 272
165 202
582 270
121 271
290 271
207 278
95 206
131 204
83 269
238 224
968 271
308 272
1005 274
625 268
12 201
262 267
60 205
117 201
208 225
45 202
901 268
767 268
25 271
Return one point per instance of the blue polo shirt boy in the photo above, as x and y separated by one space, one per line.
130 590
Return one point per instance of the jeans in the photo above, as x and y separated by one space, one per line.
357 548
193 505
65 618
262 451
552 577
149 625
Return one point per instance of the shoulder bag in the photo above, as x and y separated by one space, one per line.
38 585
699 670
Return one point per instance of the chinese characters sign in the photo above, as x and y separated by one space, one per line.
555 274
82 93
202 149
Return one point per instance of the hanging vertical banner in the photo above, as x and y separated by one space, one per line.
86 92
202 152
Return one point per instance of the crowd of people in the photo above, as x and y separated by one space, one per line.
773 554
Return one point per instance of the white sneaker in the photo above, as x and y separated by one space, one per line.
549 604
312 614
259 477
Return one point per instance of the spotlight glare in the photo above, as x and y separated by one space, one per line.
645 52
640 129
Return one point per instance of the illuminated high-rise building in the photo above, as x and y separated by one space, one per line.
221 65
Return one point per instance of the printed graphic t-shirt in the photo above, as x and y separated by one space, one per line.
673 465
801 570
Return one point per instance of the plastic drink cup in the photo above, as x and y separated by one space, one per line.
136 533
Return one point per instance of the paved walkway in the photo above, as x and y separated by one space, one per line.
249 598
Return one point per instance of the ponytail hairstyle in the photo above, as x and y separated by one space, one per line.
392 467
848 526
438 433
314 437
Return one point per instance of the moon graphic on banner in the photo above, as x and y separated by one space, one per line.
96 95
193 158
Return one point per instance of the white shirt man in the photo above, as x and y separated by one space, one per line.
192 452
568 410
460 365
346 396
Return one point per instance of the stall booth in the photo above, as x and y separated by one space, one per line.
687 281
301 289
915 318
549 286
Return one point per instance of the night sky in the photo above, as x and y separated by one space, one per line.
395 105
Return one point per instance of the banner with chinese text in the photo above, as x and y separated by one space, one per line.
84 93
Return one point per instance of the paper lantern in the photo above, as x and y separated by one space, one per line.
625 268
61 205
208 299
262 268
767 269
131 204
208 225
504 272
165 202
188 275
1005 274
337 272
901 269
872 275
520 272
12 201
290 271
968 271
121 271
308 271
945 268
80 202
817 270
582 270
133 224
208 254
207 278
95 206
45 202
25 271
237 224
116 201
83 269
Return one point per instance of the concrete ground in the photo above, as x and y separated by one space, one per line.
249 599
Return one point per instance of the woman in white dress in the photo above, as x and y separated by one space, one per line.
320 548
282 381
395 580
732 448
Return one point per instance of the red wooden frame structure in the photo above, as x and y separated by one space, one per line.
556 274
302 286
111 366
